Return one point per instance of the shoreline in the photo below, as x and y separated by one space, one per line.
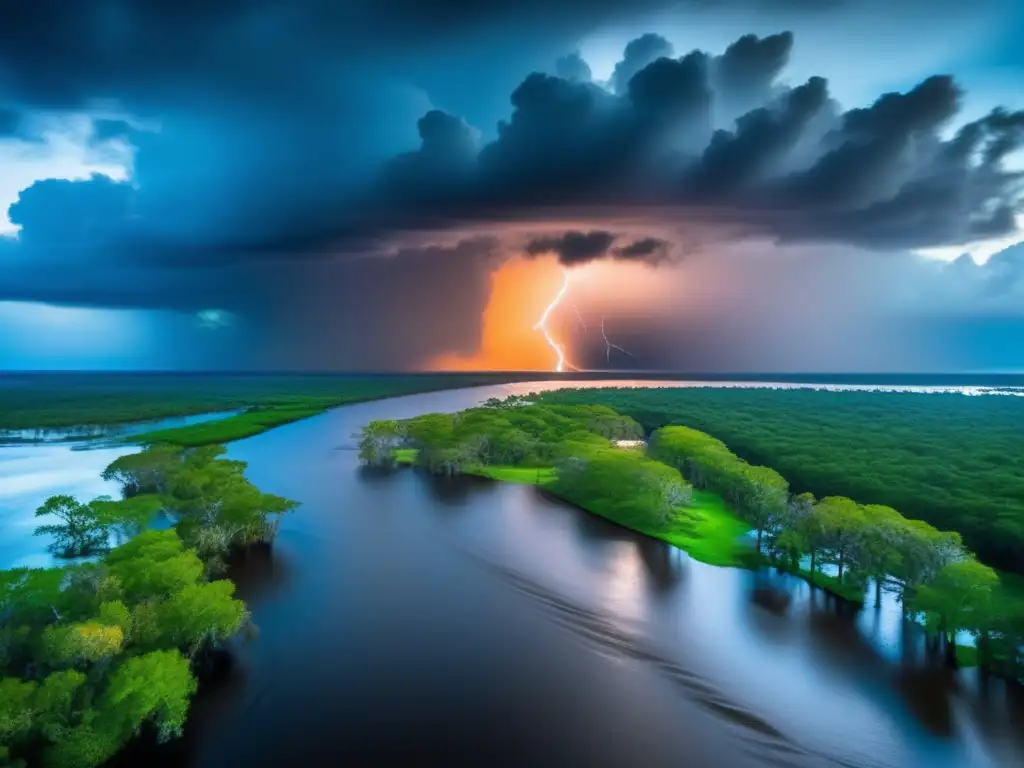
743 558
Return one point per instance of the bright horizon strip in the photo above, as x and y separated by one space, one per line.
542 324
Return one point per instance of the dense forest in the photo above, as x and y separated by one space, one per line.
953 461
97 652
660 491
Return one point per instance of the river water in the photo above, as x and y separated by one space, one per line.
405 618
38 463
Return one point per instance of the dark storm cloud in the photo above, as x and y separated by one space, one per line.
379 314
573 68
574 248
871 143
106 129
260 185
638 54
879 176
744 75
60 217
15 124
732 160
651 250
10 120
243 177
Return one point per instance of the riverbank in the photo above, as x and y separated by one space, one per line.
707 530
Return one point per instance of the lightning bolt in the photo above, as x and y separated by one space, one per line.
579 317
542 325
608 346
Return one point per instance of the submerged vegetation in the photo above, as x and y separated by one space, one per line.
95 653
691 490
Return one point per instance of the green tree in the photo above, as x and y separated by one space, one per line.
79 530
209 492
787 539
114 613
153 688
763 496
876 551
17 706
201 616
814 535
923 553
841 523
126 518
148 471
79 644
87 745
377 443
58 703
154 565
955 598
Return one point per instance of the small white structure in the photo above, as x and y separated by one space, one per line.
628 443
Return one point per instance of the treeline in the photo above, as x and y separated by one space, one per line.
935 575
955 462
93 653
524 436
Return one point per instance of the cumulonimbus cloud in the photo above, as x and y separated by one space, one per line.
267 169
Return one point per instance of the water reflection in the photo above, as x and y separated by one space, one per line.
664 564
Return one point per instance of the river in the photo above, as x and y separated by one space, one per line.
404 618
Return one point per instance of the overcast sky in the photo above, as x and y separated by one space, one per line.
733 185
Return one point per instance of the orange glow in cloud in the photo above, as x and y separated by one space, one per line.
520 292
523 288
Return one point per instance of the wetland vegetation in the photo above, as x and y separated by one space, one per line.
55 401
97 652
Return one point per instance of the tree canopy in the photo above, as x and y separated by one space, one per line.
92 652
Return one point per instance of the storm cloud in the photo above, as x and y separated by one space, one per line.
793 168
305 165
576 248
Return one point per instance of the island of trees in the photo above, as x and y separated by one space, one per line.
689 489
99 651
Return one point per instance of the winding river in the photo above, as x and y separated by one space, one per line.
404 618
